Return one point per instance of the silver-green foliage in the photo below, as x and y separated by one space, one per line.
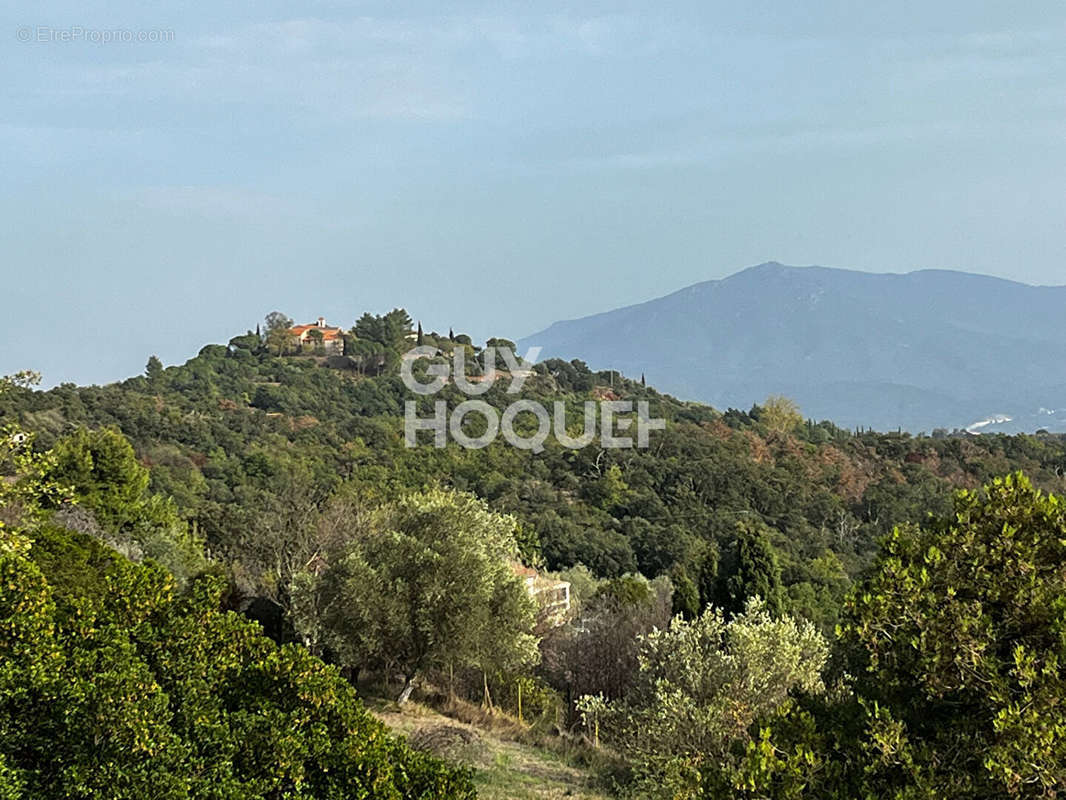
426 583
702 684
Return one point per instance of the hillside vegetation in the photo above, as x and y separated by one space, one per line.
114 684
762 605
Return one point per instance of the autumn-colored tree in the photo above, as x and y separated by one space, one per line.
780 414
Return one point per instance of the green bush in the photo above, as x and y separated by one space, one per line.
125 689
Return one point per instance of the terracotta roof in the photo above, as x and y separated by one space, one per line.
328 334
522 571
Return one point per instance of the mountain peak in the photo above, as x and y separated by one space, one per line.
921 350
765 268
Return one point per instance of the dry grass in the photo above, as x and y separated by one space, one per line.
510 762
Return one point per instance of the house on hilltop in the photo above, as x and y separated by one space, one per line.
310 336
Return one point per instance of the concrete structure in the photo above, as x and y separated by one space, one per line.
552 596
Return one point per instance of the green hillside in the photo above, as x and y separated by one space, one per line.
263 482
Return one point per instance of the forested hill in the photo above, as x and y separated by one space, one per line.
143 523
921 350
252 441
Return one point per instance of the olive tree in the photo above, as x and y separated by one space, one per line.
429 584
701 686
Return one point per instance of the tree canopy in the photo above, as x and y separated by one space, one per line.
120 686
429 582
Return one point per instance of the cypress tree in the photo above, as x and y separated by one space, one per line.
708 576
686 599
751 569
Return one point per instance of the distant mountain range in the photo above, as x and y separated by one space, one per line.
922 350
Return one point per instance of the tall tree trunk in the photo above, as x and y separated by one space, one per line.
408 687
487 698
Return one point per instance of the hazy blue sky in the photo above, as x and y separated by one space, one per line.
495 167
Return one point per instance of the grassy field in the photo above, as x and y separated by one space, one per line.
507 768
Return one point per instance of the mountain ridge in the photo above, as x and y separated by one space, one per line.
918 350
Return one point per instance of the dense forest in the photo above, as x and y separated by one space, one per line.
202 564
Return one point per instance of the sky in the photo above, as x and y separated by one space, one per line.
497 166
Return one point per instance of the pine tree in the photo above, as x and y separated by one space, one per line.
420 337
154 371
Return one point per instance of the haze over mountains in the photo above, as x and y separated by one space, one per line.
922 350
